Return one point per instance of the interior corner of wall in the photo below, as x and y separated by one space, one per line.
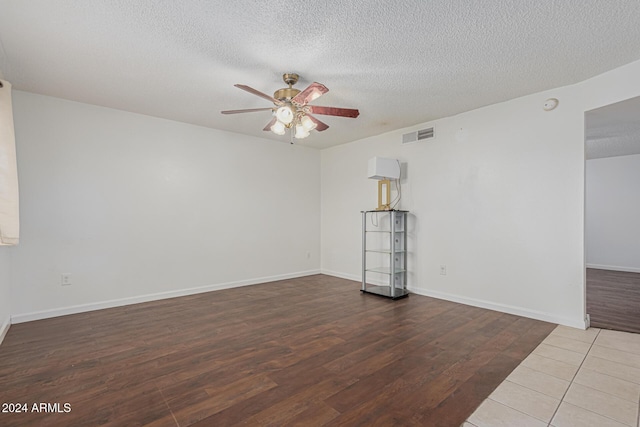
5 324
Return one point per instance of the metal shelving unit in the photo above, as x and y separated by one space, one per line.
386 236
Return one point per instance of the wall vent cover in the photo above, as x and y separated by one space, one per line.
420 135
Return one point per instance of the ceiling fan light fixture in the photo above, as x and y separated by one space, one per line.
301 132
278 128
291 108
285 114
307 123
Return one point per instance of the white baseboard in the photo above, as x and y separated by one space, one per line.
6 324
81 308
342 275
614 268
518 311
504 308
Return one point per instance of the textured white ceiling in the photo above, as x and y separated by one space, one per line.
613 130
400 63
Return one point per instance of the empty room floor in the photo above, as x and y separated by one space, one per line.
310 351
315 351
573 378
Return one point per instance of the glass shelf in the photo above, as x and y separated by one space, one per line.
388 239
386 251
385 270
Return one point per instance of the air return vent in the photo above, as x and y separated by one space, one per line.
422 134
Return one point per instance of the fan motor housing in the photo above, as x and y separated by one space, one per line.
286 93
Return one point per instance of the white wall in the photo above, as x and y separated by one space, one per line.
613 213
498 197
135 207
5 291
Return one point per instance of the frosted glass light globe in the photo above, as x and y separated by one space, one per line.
308 124
278 128
285 114
301 132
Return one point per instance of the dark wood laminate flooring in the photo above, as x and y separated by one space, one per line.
310 351
613 299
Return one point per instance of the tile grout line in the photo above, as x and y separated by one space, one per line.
595 413
619 363
572 381
524 413
513 409
621 351
616 362
606 392
529 388
559 335
563 348
574 376
517 410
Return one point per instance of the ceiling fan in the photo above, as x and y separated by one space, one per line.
291 108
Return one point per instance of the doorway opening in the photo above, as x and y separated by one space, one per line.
612 215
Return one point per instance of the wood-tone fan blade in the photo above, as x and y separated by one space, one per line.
260 94
271 123
320 126
334 111
247 110
314 91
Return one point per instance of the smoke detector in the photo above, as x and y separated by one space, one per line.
550 104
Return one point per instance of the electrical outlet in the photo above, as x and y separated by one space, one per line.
65 279
443 270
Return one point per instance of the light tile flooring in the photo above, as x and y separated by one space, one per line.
574 378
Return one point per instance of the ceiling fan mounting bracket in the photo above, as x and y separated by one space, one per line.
290 78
